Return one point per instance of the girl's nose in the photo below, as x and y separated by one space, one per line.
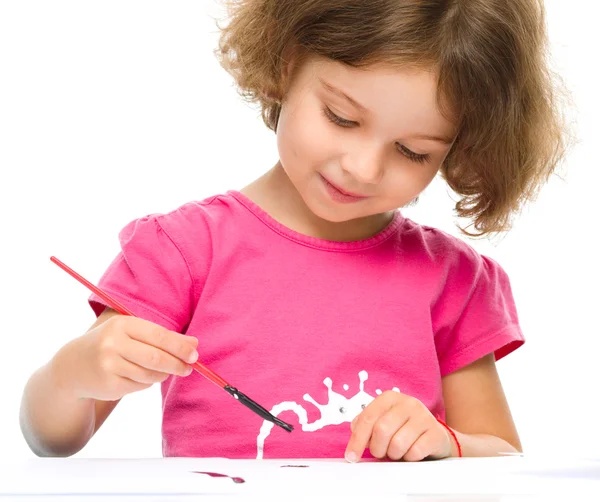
366 165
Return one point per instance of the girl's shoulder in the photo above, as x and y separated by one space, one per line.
436 244
194 219
454 262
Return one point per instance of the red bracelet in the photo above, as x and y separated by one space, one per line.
452 434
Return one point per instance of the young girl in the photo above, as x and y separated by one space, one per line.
308 289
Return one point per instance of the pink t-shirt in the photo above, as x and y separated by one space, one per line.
313 330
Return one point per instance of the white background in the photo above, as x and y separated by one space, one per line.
112 110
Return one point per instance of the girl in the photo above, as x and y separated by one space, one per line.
373 335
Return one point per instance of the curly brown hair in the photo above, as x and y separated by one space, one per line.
490 57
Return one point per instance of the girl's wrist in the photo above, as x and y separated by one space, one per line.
455 446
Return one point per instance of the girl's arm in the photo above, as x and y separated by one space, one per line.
478 412
54 420
68 399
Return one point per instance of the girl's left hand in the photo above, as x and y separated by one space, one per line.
399 427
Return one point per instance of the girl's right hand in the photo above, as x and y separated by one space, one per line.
125 354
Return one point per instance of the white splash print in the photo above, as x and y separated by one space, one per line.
338 410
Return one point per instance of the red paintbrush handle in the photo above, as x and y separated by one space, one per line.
209 374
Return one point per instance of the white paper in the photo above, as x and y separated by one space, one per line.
288 479
81 476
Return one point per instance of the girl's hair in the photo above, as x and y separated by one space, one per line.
493 79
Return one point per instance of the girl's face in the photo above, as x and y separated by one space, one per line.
357 143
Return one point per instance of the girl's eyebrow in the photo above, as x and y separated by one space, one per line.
440 139
342 94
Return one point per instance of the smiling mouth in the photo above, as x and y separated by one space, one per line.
341 195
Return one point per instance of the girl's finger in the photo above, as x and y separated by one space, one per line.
385 428
153 358
182 347
404 438
122 385
138 374
423 447
363 425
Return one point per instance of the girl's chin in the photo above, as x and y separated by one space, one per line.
329 212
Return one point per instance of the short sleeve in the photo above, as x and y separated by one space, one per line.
149 276
476 314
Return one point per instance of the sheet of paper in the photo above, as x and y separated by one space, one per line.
483 476
81 476
294 478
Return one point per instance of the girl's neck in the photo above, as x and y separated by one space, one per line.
275 194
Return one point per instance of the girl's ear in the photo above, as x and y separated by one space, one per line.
292 59
287 63
289 58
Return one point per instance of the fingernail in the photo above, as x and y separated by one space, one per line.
351 457
193 357
188 371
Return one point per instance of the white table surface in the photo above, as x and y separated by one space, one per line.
504 479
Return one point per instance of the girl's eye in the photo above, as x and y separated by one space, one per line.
336 119
415 157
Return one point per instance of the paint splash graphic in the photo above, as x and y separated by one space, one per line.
338 410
